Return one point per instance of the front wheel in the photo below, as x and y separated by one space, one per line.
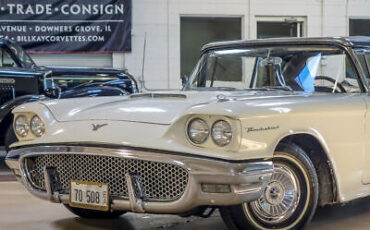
94 214
288 202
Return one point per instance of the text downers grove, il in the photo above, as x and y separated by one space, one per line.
68 25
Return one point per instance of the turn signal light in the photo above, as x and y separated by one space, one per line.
216 188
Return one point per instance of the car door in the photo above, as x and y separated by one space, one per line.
363 57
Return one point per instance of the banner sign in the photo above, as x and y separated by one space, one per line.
53 26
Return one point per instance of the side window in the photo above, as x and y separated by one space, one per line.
367 60
333 73
6 59
367 57
364 61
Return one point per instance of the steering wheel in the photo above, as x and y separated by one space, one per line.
326 88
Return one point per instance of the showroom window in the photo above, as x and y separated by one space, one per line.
359 27
274 27
197 31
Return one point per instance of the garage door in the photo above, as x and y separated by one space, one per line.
86 60
359 27
197 31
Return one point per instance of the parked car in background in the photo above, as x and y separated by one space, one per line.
264 130
21 80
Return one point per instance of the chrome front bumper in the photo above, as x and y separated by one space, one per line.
246 180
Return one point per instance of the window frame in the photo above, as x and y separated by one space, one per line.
279 19
352 19
207 16
349 52
12 56
364 53
4 52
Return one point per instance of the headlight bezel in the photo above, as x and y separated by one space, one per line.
26 124
229 140
34 132
31 134
210 119
188 125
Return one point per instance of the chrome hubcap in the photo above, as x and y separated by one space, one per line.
274 193
281 197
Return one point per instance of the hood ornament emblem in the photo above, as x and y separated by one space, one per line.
223 98
97 126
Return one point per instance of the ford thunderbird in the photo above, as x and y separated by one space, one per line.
264 130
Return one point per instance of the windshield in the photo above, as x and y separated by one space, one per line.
295 68
75 82
26 60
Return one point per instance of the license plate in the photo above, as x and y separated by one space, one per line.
89 195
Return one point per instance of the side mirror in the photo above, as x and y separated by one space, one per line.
46 80
184 81
53 93
50 89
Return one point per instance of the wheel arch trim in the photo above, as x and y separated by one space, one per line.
325 148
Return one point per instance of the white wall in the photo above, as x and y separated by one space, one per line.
75 60
160 19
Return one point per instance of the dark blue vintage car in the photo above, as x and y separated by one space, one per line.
21 81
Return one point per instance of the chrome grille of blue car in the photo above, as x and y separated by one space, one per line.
161 181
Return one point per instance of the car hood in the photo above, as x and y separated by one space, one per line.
158 108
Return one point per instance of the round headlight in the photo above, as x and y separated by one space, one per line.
37 126
21 126
198 131
221 133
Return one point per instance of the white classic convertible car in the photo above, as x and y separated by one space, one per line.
264 130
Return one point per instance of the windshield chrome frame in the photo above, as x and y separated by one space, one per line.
348 51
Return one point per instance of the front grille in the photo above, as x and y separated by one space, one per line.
161 181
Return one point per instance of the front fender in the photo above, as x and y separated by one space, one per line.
6 117
6 109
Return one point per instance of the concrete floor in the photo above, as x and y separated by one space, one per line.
5 174
19 210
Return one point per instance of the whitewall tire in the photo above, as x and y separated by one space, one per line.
288 202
